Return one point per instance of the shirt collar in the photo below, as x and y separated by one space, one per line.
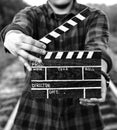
50 10
76 8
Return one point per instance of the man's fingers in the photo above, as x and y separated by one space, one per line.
32 48
31 41
86 102
95 100
91 101
25 63
28 56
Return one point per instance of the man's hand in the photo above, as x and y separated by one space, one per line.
19 44
94 101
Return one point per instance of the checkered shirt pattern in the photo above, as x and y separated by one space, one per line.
56 114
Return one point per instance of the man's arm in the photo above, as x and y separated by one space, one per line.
97 39
17 37
24 21
98 35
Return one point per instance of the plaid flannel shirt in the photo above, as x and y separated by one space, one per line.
60 114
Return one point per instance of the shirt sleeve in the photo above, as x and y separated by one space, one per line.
25 21
98 35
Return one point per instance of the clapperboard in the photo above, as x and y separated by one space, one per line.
67 74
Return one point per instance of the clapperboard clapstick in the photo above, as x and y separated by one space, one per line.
65 26
67 74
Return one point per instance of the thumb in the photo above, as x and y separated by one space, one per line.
25 63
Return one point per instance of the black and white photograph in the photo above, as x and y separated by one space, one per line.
58 65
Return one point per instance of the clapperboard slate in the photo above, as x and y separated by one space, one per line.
67 74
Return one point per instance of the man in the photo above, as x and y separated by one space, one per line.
22 37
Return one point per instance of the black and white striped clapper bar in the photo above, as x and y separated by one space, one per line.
66 26
67 74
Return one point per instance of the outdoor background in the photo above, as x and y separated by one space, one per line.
12 75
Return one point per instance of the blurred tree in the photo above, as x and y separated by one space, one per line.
8 8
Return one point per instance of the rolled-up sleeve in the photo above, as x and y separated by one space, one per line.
98 35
